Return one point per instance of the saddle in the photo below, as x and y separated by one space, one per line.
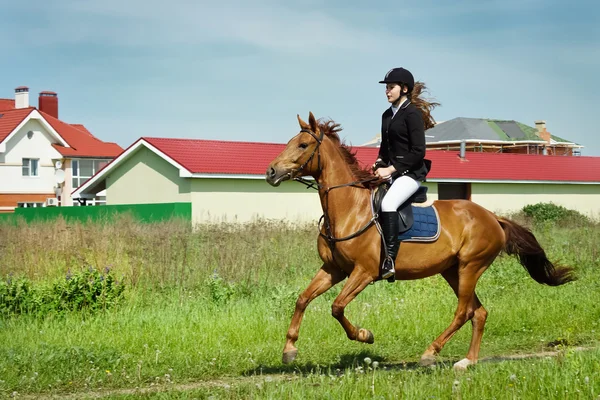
405 211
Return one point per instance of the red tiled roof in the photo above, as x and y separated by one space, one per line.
83 129
82 144
222 157
10 119
216 156
514 167
7 104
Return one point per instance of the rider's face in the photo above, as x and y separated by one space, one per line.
393 91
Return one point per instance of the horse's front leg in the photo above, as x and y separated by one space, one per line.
358 280
327 277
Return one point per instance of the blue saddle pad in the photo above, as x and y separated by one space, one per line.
426 226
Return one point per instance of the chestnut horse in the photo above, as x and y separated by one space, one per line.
350 245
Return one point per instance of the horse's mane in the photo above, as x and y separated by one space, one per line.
331 129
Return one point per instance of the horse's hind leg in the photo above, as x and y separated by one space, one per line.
324 279
469 308
478 323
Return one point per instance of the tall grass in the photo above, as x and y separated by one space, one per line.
166 254
215 302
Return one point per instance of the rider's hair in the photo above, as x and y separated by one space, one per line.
424 105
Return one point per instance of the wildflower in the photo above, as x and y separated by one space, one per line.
455 386
375 364
367 361
513 377
586 380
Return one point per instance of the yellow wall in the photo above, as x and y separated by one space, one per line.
511 197
146 178
432 192
243 200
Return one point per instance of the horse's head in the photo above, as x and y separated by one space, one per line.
301 155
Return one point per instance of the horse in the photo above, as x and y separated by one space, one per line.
349 243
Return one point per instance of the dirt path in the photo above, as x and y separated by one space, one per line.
228 382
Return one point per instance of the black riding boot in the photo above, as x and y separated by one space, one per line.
390 226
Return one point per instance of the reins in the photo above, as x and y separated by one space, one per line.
324 221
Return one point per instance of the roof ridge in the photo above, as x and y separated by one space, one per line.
210 140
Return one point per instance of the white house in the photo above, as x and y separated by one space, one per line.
42 159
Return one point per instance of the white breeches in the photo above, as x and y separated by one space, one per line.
399 192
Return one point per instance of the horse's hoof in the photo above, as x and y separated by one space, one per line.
289 356
463 364
365 336
427 360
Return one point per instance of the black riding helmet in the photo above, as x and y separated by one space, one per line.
400 75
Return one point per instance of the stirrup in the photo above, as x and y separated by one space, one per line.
388 273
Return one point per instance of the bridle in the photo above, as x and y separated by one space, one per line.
324 221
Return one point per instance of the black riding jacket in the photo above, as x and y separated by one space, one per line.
403 141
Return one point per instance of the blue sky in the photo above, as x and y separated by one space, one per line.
241 70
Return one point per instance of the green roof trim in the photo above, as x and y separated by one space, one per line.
497 130
530 133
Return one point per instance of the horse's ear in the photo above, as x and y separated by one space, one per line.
303 125
313 122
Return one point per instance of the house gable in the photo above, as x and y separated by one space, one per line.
146 177
12 122
31 142
98 181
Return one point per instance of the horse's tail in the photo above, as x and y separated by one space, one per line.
521 242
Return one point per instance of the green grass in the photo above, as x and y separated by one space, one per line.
220 312
570 375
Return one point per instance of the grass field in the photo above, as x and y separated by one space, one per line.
205 314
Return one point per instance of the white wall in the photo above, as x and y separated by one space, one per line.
19 147
511 197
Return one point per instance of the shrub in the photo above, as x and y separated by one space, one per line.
85 290
550 212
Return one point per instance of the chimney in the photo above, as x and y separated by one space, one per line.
542 132
22 97
48 103
463 149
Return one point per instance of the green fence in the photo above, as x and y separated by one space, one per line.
141 212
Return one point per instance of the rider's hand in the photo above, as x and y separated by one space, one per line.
385 173
377 164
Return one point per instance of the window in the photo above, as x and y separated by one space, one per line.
30 167
450 191
83 169
29 205
96 201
